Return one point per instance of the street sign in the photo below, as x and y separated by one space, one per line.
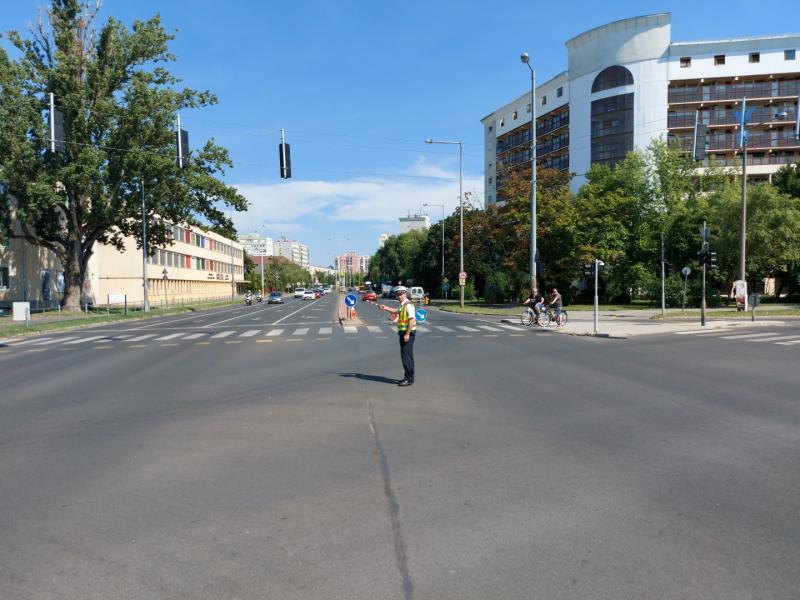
462 278
686 271
421 315
350 300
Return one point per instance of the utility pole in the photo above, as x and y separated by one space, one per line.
145 297
534 283
743 215
597 264
703 260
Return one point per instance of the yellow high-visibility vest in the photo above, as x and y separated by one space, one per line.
403 317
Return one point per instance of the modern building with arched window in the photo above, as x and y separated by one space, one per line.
627 83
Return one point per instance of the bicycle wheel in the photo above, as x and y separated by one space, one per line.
562 318
526 318
543 319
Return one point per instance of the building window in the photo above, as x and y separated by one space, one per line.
490 180
528 108
686 62
490 127
502 122
514 115
612 129
719 59
544 100
4 280
559 92
755 57
611 77
788 54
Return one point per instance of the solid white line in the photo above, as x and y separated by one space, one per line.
250 333
789 343
275 332
305 306
747 336
300 331
244 314
222 334
142 337
703 331
89 339
325 330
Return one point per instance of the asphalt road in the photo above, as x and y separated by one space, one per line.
207 456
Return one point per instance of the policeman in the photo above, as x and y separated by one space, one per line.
406 330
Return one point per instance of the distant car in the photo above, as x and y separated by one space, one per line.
417 294
308 295
317 293
343 289
275 298
298 292
370 295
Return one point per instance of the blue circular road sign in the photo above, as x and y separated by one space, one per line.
421 315
350 300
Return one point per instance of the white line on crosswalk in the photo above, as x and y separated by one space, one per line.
443 328
250 333
792 343
89 339
703 331
275 332
511 327
465 328
142 337
171 336
373 329
222 334
350 329
33 341
300 331
325 330
747 336
487 328
777 337
194 336
54 341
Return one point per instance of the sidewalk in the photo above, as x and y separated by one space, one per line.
613 328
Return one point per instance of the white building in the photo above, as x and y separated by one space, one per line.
292 250
627 83
352 262
414 223
382 239
256 245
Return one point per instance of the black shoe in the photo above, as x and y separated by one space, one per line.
405 382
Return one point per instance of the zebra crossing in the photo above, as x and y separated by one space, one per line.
270 334
780 338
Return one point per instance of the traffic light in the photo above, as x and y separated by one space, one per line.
712 260
286 160
56 123
588 270
667 269
703 257
700 142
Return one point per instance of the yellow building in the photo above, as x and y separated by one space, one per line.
198 265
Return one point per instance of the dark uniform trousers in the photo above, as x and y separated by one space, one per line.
407 355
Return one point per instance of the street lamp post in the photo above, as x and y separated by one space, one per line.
461 210
442 225
526 60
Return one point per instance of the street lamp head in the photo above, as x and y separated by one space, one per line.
524 57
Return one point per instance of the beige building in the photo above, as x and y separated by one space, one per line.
197 265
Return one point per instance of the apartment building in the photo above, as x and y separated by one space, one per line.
628 83
352 262
256 245
292 250
414 223
197 264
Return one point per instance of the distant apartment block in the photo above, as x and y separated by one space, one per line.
628 83
414 223
292 251
256 245
351 262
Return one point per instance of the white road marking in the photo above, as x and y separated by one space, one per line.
194 336
777 337
142 337
443 328
171 336
511 327
487 328
53 341
465 328
84 340
792 343
300 331
250 333
373 329
350 329
325 330
703 331
747 336
222 334
33 341
275 332
305 306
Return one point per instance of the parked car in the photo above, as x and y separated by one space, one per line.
275 298
298 292
308 295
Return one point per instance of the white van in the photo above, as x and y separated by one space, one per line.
417 295
298 292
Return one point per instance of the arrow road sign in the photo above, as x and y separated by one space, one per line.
421 315
350 300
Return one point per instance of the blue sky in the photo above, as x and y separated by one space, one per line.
359 85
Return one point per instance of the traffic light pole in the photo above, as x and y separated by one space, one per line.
703 300
663 279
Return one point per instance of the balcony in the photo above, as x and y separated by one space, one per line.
733 91
757 141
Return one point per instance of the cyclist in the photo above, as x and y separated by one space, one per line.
555 303
536 302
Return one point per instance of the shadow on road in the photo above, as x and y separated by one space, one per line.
378 378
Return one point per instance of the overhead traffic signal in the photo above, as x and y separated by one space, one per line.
588 270
667 269
712 260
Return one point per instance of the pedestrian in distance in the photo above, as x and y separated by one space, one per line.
406 332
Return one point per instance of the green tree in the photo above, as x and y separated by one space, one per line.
787 180
119 104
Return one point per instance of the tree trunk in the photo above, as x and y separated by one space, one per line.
73 278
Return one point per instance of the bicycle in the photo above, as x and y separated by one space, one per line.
559 320
528 317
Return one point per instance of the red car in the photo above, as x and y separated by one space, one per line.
317 294
370 295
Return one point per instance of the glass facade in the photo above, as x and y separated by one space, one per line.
611 77
612 128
